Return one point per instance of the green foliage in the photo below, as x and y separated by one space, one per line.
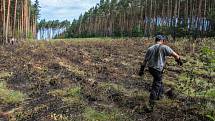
91 114
137 31
211 15
73 92
36 8
70 95
112 86
10 96
117 32
163 29
211 118
208 56
73 96
190 85
30 35
211 93
5 75
210 114
180 31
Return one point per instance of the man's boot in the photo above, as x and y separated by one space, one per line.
150 107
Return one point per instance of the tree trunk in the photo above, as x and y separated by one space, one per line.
199 15
35 27
22 20
25 18
7 21
14 19
146 20
1 20
150 22
4 18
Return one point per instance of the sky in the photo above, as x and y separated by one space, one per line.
64 9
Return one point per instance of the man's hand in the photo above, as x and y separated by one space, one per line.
177 58
141 72
180 63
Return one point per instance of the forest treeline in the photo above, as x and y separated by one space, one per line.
51 29
114 18
18 19
195 18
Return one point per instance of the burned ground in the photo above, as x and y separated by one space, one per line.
93 80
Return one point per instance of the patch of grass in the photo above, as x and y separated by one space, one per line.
74 92
10 96
5 74
58 92
73 96
168 103
169 83
183 77
74 69
211 93
200 72
112 86
118 88
69 95
67 92
111 92
81 40
74 101
139 94
40 107
208 112
194 86
210 117
91 114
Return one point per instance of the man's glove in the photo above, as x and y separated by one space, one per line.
180 63
141 72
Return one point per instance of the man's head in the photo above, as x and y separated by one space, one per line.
162 39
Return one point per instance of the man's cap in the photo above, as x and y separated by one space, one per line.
161 37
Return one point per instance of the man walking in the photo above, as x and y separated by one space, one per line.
155 59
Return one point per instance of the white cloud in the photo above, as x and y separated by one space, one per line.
64 9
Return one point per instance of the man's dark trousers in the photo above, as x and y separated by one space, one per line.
157 86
